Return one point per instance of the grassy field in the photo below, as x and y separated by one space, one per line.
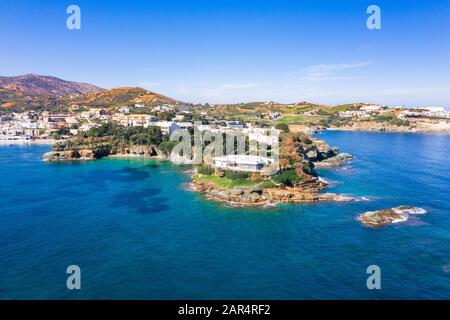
292 119
300 119
227 183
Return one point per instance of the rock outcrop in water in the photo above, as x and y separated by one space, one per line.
388 216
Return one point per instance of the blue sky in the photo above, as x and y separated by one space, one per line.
233 51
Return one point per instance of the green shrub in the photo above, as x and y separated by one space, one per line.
283 127
236 175
166 147
207 171
267 185
288 178
63 131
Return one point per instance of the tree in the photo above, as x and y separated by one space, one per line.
63 131
166 147
154 135
283 127
166 116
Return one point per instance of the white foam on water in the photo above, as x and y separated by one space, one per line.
412 210
402 218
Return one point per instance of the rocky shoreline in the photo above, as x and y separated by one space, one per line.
335 161
391 129
90 154
306 192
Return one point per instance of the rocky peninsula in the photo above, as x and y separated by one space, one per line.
297 181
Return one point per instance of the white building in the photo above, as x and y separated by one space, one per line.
243 163
435 109
163 108
432 112
351 114
167 127
437 112
234 125
125 110
184 125
370 108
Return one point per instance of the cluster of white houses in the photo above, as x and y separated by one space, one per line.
25 126
430 112
367 111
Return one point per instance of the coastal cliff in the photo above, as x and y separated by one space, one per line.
97 153
109 140
323 156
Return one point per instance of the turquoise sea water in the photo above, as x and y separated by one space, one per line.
136 232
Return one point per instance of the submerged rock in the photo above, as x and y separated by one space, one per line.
388 216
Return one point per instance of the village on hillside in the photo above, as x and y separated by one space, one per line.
47 125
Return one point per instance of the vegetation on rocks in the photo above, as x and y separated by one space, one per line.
111 138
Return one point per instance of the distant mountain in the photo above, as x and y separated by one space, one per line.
43 86
122 97
32 91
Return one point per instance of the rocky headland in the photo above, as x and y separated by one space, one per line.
299 156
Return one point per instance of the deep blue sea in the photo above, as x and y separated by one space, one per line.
137 233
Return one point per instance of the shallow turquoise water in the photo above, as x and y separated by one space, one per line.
137 233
